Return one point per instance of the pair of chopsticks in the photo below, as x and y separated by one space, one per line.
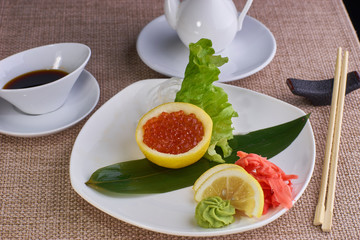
323 214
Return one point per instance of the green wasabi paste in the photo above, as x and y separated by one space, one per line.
214 212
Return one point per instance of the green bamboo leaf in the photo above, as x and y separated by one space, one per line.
143 177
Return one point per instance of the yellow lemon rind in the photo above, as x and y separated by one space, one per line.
246 178
178 160
210 172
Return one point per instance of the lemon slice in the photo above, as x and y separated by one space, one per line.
210 172
236 185
170 136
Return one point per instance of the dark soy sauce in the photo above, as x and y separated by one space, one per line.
35 78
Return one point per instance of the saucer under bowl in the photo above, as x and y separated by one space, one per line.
82 99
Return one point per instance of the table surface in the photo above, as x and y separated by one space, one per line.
36 198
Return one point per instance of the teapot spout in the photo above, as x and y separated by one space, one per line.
171 8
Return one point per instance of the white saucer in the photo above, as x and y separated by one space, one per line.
82 99
160 48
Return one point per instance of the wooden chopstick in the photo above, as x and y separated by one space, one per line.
324 215
330 197
320 208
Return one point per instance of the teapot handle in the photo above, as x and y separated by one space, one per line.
243 13
171 8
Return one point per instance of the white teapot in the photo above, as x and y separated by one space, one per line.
217 20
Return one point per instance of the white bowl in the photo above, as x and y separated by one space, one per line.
69 57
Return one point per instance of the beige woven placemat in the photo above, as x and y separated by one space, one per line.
36 198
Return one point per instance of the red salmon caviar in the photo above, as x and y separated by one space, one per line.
173 133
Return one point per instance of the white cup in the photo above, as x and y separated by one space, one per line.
217 20
69 57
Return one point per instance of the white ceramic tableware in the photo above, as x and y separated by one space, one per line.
68 57
108 137
82 99
160 48
217 20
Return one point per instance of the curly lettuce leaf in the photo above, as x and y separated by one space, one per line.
197 88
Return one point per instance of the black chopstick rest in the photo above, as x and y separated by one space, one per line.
319 92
